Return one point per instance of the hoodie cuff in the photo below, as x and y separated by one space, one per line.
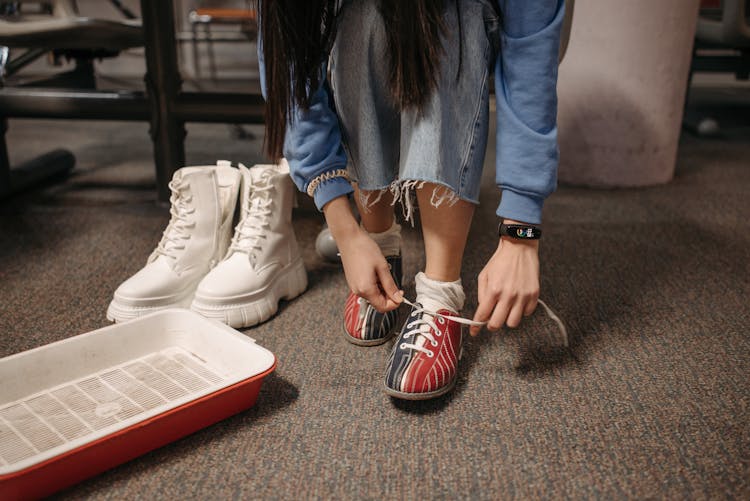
330 189
524 208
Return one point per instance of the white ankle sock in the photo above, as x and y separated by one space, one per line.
434 295
389 241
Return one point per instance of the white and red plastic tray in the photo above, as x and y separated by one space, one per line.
77 407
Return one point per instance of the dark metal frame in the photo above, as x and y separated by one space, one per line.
164 104
737 61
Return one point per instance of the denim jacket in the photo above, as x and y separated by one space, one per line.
526 97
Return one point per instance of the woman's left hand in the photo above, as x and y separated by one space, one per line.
508 285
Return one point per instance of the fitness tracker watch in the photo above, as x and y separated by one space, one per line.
520 231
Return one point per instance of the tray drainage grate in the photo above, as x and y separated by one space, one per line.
78 408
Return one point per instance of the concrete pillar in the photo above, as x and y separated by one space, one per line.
622 89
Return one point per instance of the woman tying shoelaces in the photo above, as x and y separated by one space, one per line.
400 88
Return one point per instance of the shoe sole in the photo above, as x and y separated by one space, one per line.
290 283
119 313
367 342
421 396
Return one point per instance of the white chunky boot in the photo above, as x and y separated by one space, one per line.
196 238
263 264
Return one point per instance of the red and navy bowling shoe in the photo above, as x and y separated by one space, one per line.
424 360
363 324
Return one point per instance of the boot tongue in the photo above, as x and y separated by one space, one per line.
256 195
261 176
260 191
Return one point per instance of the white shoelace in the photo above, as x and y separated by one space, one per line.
252 228
417 327
176 233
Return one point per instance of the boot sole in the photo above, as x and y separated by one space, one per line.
119 313
290 283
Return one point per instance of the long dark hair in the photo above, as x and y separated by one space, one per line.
413 30
296 38
298 35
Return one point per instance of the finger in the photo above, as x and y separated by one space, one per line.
389 285
484 309
375 297
390 304
383 304
380 301
515 315
531 305
474 330
499 315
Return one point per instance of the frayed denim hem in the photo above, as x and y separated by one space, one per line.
404 191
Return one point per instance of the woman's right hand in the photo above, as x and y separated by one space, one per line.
367 271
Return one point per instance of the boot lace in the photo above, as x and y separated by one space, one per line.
425 326
254 224
178 230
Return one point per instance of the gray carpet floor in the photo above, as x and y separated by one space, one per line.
649 401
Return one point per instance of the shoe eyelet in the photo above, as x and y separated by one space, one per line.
402 346
430 354
441 320
434 343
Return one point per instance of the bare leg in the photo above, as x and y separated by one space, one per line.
445 229
376 217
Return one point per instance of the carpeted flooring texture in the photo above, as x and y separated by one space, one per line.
650 400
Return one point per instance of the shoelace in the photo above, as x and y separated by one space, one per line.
417 326
251 230
176 232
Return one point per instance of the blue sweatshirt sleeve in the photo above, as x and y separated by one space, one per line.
312 145
525 90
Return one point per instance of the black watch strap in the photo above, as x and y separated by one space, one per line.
520 231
